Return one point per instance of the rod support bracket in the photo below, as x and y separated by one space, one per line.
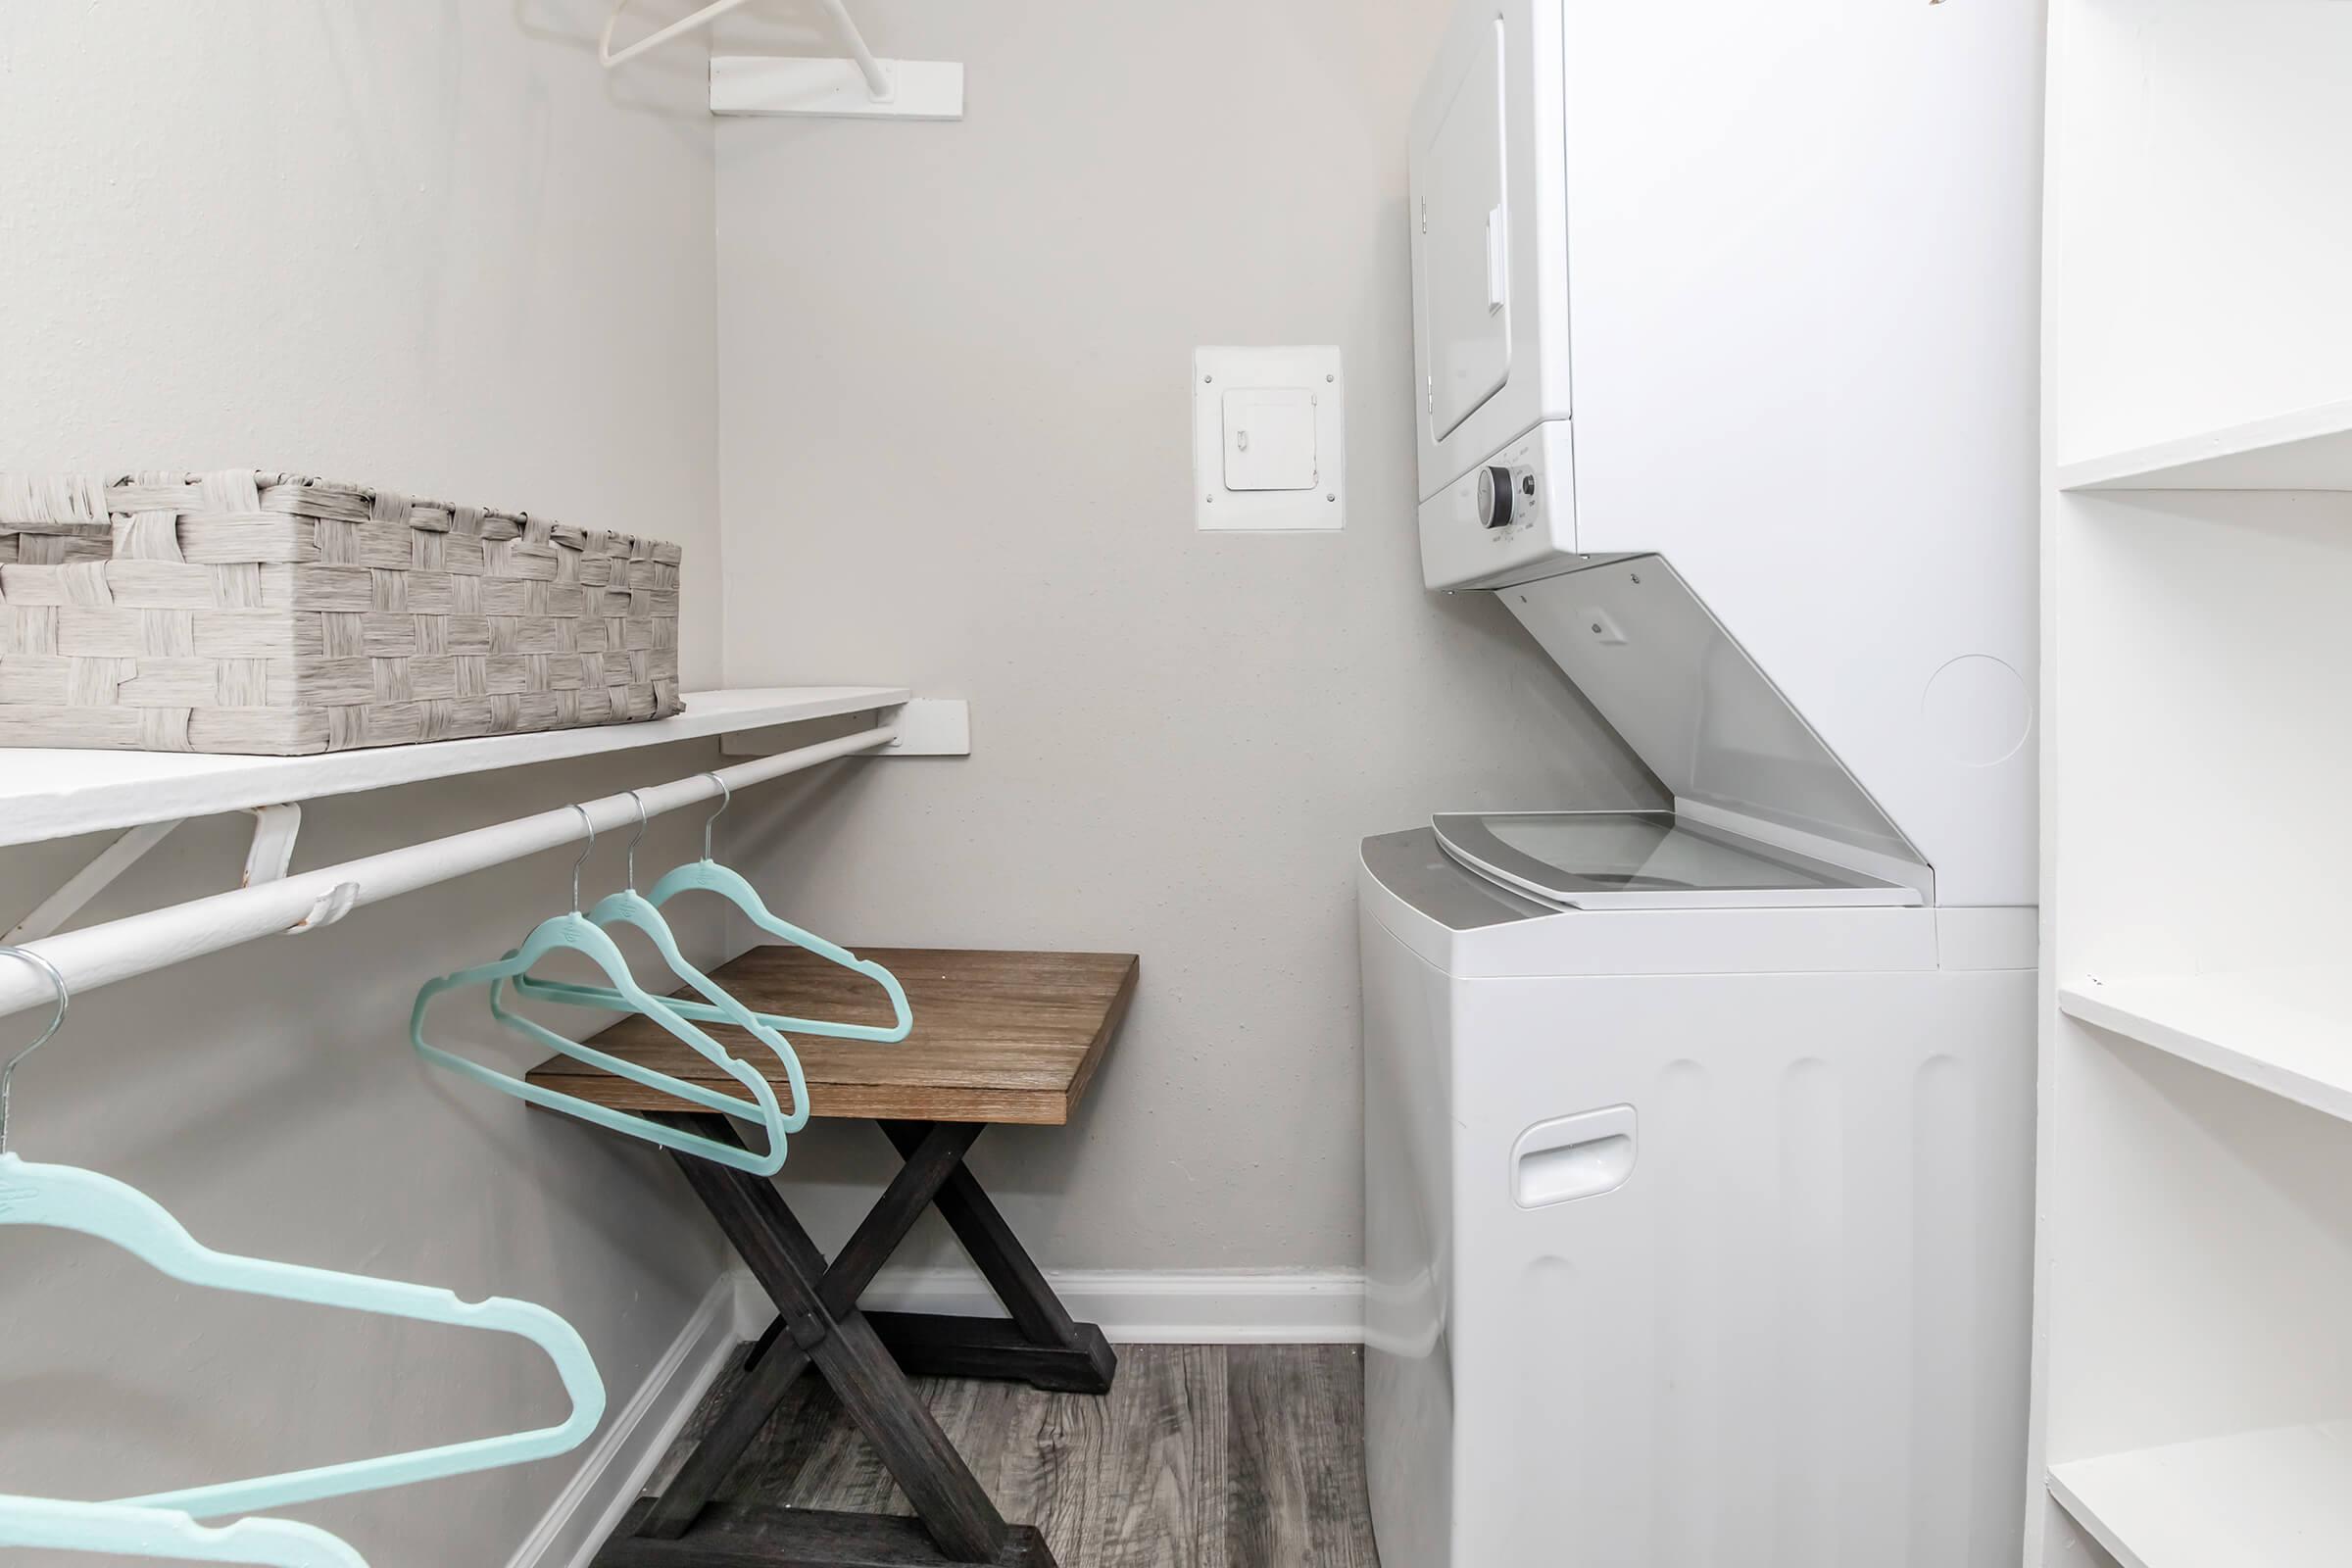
275 830
331 907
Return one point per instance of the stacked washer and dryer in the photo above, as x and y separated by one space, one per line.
1699 1139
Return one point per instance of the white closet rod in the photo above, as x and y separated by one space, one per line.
141 944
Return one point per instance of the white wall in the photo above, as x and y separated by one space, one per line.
423 246
433 247
955 382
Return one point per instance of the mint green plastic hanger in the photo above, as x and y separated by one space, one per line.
706 875
123 1530
68 1197
629 906
575 932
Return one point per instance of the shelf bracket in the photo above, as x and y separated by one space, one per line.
859 87
268 859
836 89
931 726
91 880
275 830
922 726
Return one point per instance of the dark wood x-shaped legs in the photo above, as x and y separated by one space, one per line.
866 1358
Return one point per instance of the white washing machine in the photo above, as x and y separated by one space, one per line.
1698 1236
1699 1141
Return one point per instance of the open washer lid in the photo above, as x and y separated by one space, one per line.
1693 704
1648 860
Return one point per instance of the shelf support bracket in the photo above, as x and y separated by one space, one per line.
91 880
268 859
275 830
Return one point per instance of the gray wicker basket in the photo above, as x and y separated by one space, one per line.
265 612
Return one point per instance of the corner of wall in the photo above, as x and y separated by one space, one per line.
613 1474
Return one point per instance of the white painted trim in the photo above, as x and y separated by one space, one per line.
754 1311
614 1470
1170 1307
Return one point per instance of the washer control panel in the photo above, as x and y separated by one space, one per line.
1506 495
1512 511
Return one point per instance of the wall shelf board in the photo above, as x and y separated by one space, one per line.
2286 1031
2307 450
47 794
2276 1498
833 89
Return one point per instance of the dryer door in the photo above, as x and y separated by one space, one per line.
1461 232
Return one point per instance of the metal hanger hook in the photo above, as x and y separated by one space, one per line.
638 801
727 797
57 1019
588 822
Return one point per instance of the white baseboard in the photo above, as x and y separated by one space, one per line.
614 1471
1170 1306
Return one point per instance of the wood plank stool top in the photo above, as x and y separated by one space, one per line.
998 1037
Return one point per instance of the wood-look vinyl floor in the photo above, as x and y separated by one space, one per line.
1200 1457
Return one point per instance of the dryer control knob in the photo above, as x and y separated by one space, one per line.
1495 496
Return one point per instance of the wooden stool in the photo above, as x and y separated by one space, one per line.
999 1037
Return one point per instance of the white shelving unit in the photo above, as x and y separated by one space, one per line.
2277 1499
144 796
58 793
2192 1398
2310 450
2287 1032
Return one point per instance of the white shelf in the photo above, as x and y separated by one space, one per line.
2287 1031
2280 1499
2309 450
58 793
2194 1270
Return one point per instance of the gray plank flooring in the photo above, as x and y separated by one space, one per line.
1201 1456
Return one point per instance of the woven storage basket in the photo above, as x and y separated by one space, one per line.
267 612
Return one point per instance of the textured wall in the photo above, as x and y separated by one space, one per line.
427 246
955 380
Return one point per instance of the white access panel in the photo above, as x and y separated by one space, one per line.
1269 440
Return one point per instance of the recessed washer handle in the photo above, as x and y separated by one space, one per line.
1573 1156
